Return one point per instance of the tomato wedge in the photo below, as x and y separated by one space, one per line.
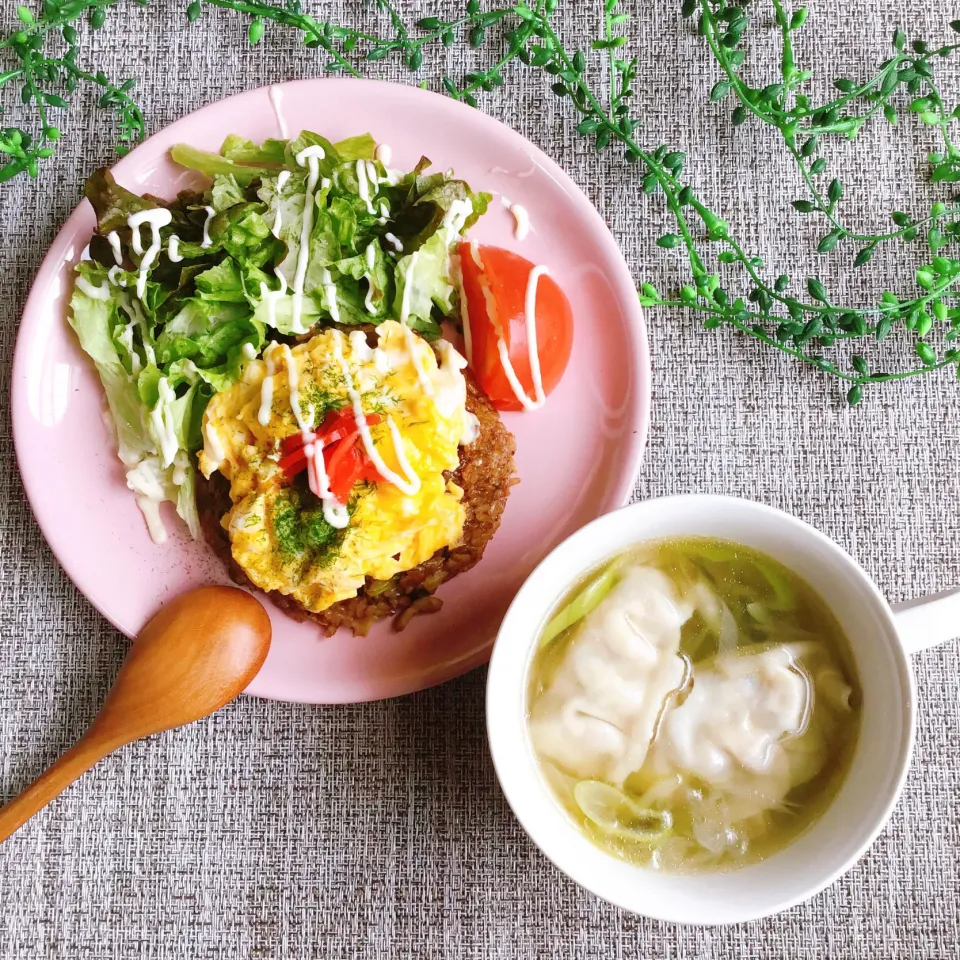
495 281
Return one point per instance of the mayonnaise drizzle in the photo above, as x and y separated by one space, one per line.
330 293
456 217
113 277
394 242
384 153
371 259
521 228
410 482
114 240
334 512
272 296
465 312
411 341
212 445
207 242
249 351
310 158
407 286
126 338
530 317
133 308
161 418
293 378
276 101
95 293
282 179
363 183
266 393
173 249
155 218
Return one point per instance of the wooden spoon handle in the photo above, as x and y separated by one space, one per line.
73 764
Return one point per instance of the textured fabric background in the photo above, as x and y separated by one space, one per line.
281 831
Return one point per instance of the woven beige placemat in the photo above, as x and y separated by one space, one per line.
283 831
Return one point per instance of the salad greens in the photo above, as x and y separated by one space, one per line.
171 313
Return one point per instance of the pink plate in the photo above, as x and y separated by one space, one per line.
576 457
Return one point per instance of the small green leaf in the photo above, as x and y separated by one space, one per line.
255 33
817 290
429 23
859 364
25 15
804 206
669 240
589 126
865 255
194 10
835 190
829 241
98 17
890 114
782 282
798 19
739 115
818 166
844 85
855 394
926 353
899 39
720 90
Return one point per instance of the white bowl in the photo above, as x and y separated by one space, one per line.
865 800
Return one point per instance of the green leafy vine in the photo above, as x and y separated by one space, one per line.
801 319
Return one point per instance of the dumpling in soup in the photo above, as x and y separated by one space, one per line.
748 732
598 716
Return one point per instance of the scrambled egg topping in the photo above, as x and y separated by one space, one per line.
276 526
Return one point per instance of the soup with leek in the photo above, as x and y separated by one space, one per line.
693 705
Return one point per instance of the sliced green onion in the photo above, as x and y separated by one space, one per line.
786 596
616 815
585 601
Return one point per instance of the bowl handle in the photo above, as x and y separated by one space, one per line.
927 621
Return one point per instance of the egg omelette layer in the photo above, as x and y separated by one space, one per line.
276 527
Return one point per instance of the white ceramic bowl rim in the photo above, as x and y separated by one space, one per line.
810 863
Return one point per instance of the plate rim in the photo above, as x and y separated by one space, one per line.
53 263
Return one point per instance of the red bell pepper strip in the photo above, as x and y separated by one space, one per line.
334 427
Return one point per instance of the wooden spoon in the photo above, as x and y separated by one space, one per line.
196 655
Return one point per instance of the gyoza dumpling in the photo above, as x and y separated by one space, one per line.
598 716
754 726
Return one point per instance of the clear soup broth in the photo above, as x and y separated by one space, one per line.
693 705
